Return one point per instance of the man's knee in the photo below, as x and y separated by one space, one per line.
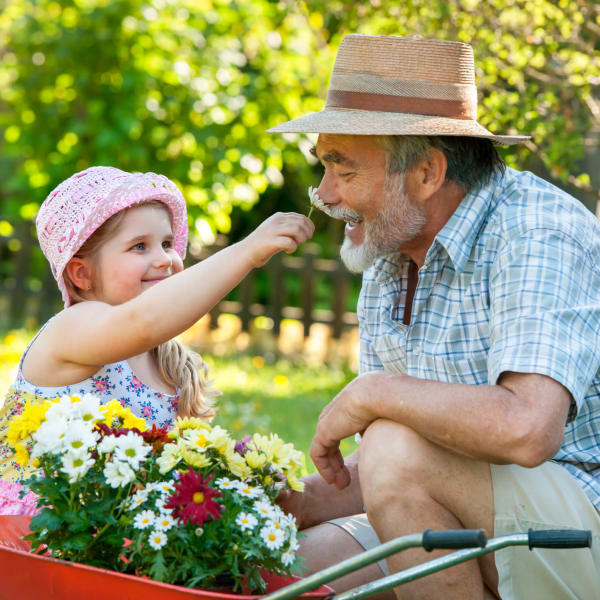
391 452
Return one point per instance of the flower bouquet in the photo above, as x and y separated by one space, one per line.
189 507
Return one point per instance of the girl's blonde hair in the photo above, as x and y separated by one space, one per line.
177 365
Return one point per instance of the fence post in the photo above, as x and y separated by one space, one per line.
18 296
339 299
275 266
246 298
308 285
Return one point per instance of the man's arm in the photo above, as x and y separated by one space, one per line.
520 420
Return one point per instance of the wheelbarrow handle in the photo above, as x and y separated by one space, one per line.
452 539
560 538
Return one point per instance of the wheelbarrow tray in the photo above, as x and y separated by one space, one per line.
26 576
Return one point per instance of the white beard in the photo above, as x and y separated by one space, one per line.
399 221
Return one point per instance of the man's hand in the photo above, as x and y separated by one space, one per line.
350 412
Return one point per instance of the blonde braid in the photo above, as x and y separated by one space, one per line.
186 371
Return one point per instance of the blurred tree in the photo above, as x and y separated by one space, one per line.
537 66
187 88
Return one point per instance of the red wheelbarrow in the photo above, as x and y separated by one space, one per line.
26 576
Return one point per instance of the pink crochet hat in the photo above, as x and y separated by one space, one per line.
84 201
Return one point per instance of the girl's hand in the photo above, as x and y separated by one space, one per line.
281 231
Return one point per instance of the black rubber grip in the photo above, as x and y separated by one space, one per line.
454 538
560 538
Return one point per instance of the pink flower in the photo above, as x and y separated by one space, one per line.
147 411
11 504
100 386
136 383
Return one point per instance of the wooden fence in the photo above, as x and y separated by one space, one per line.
28 292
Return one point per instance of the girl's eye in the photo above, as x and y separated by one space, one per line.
166 245
139 246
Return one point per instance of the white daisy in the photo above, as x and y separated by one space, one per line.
246 521
164 487
265 509
138 498
273 538
88 409
76 465
144 519
132 449
248 491
118 474
108 444
164 522
225 483
79 436
157 539
49 437
287 558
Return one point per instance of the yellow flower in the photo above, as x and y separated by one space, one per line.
181 424
114 410
295 483
29 421
196 459
255 460
21 455
219 439
237 465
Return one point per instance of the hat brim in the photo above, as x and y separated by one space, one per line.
345 121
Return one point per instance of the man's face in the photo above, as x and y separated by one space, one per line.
380 217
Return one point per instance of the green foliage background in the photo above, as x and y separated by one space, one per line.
187 88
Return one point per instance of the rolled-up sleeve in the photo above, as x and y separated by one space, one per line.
545 311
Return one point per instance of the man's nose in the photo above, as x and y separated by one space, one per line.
327 191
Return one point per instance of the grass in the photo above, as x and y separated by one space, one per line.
282 397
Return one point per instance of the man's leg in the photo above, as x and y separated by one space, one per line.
410 484
326 545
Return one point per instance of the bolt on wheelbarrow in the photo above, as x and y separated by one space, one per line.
471 543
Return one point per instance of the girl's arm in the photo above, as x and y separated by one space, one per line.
95 333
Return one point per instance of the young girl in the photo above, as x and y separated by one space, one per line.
115 242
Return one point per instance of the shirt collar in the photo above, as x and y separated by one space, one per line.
460 232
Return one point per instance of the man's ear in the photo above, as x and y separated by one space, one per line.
79 272
428 175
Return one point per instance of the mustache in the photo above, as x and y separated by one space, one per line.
335 212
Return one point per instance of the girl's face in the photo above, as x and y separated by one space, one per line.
139 254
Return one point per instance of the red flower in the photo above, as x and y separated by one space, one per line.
157 437
193 499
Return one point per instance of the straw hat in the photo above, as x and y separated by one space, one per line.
386 85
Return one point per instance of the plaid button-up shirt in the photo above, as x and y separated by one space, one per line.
510 283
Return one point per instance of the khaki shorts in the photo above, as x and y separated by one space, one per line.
547 497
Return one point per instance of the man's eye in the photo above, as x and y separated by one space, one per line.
346 174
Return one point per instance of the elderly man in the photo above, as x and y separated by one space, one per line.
478 397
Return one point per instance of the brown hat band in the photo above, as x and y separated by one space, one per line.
454 109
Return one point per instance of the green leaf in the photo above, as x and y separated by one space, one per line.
47 519
78 542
